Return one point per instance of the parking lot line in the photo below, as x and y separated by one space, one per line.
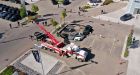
91 45
113 45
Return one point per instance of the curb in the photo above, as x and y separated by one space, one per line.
124 47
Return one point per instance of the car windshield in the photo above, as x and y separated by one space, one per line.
127 15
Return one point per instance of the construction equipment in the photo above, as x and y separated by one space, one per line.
70 50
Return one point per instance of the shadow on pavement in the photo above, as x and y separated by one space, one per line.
90 55
135 44
49 15
1 35
77 21
13 40
39 20
75 67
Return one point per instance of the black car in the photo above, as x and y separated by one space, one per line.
126 17
1 13
4 15
2 7
9 16
6 8
88 29
15 10
54 2
14 18
66 2
40 36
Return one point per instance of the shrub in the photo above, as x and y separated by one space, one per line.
106 2
126 53
23 11
60 1
129 40
34 8
53 22
86 7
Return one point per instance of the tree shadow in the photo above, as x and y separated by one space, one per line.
135 44
49 15
1 35
90 55
77 21
75 67
39 20
75 24
13 40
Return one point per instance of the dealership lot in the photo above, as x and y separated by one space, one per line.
104 46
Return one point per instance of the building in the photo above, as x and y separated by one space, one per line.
134 7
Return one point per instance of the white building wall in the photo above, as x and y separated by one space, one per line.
132 5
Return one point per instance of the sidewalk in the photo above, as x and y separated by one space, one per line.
134 57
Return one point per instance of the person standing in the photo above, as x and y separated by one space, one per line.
58 5
18 24
79 13
102 11
31 37
79 8
10 25
45 22
133 41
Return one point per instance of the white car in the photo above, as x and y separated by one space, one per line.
79 37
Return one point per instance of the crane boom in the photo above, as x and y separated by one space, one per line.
55 42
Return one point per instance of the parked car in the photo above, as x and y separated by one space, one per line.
79 37
2 7
14 18
14 10
54 2
4 15
6 8
126 17
40 36
66 2
9 16
88 29
1 13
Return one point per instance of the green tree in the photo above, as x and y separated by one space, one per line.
106 2
60 1
63 15
53 22
34 8
23 11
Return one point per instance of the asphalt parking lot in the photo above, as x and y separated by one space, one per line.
104 46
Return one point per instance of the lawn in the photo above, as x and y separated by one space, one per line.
8 71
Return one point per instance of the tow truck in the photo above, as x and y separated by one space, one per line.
69 50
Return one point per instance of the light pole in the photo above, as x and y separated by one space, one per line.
37 47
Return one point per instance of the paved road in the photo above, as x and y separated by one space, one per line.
15 43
